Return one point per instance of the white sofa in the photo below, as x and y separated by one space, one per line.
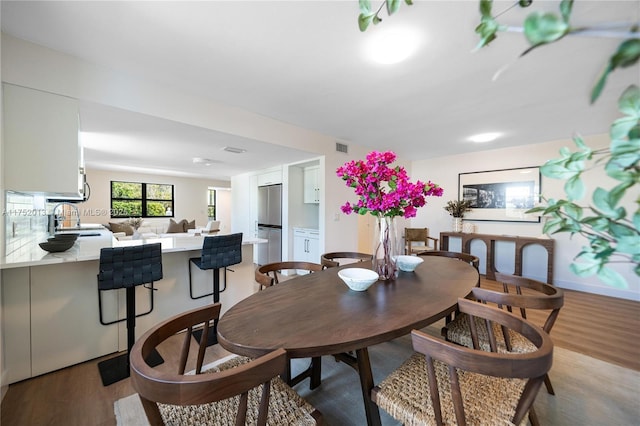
154 228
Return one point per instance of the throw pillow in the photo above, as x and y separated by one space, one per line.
121 227
189 225
175 227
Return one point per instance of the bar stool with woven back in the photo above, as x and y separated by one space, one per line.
218 252
126 268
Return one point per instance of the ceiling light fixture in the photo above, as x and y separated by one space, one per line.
234 150
205 161
392 46
484 137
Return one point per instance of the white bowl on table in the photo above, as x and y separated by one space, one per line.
358 279
408 263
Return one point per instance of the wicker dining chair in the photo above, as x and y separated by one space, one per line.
417 240
236 391
268 275
445 383
526 294
331 260
465 257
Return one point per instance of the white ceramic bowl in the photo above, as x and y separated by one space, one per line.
408 263
358 279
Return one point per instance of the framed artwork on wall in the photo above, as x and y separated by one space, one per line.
501 195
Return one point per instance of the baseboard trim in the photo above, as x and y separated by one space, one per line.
3 388
601 290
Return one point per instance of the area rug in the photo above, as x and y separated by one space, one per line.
588 391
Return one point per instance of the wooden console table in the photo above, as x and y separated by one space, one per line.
490 243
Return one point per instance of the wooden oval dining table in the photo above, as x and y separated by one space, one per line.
317 314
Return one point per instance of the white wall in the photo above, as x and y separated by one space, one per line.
3 387
223 208
190 197
23 63
444 171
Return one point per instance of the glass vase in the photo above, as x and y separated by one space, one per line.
385 248
456 224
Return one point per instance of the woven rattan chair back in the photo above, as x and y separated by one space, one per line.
331 260
169 395
417 240
468 383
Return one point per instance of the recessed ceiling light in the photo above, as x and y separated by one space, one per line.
484 137
205 161
234 150
392 45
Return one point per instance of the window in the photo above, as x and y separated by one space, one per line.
133 199
211 204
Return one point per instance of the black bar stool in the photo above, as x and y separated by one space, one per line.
217 252
127 267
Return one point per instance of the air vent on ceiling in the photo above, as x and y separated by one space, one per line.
341 147
234 149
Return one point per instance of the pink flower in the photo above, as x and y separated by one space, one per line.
346 208
382 190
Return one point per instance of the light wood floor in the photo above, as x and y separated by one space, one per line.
601 327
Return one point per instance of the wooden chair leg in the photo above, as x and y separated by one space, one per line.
152 411
533 417
547 383
313 372
316 372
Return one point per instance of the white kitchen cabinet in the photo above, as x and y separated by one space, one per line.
65 326
50 313
311 185
16 324
270 178
41 146
306 245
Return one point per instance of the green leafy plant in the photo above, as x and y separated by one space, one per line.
544 28
612 232
368 16
457 208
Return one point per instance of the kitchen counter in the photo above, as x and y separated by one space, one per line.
50 300
88 248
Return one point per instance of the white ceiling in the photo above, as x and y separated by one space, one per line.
304 63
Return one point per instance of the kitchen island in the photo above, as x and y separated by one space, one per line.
50 300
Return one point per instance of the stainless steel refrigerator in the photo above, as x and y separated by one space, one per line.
270 223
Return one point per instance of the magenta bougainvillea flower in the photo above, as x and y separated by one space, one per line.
383 190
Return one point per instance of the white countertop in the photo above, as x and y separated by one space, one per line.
88 248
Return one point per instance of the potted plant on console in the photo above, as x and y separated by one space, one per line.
456 209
